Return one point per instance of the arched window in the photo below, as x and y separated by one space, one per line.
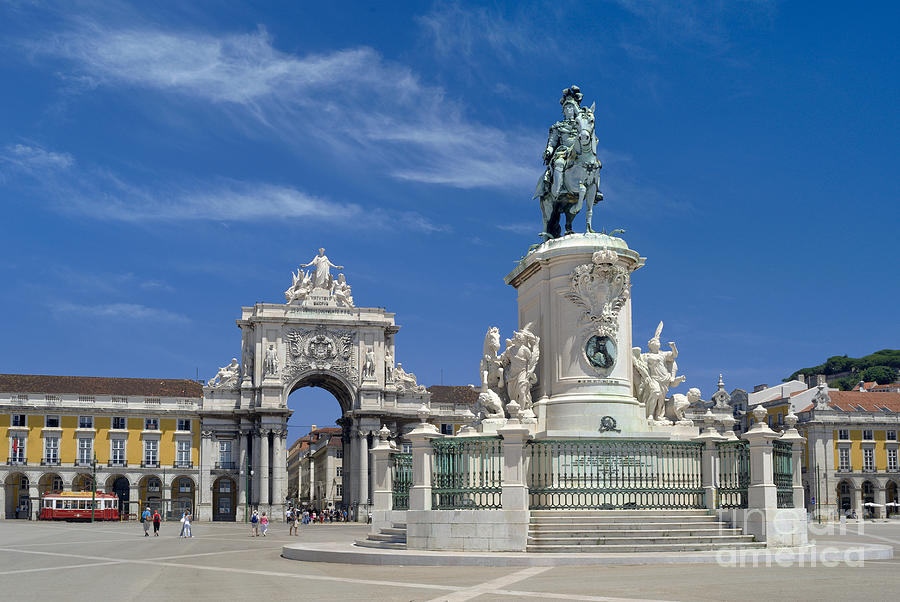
153 484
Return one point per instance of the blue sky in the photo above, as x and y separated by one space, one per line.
162 167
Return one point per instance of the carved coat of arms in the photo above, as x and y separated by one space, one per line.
600 288
321 349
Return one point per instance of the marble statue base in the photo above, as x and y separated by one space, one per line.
584 377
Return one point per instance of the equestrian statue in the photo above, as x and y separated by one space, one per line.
572 177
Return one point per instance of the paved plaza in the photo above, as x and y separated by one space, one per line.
78 561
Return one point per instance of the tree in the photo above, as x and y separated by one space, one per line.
837 363
882 375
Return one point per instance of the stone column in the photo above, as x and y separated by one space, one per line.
362 459
709 464
204 478
35 506
240 510
2 500
134 496
264 469
279 473
382 495
880 498
353 494
254 467
792 436
858 502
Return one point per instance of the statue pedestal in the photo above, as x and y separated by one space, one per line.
577 394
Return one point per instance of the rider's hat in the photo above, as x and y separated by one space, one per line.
572 93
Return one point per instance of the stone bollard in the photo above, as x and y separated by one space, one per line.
761 494
514 489
709 464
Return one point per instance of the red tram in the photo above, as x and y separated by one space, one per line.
75 505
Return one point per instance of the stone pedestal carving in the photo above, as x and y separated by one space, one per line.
575 291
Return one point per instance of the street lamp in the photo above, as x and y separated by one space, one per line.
93 486
248 474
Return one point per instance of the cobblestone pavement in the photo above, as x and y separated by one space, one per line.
78 561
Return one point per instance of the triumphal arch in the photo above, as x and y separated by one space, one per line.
317 338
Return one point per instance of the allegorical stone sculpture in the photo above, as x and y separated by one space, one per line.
491 396
406 381
227 376
271 362
320 280
369 364
572 177
323 266
661 374
678 403
519 361
388 365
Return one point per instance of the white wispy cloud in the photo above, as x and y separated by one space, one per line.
30 158
118 311
102 194
350 102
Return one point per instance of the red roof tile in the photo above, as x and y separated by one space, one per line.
99 385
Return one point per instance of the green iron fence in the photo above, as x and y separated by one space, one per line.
402 481
784 478
613 474
734 474
466 473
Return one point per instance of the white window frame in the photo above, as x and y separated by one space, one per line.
183 452
147 424
151 445
868 459
89 420
14 419
868 435
844 464
81 459
890 435
178 425
892 459
21 455
56 481
844 434
225 446
224 485
112 451
47 421
51 444
124 422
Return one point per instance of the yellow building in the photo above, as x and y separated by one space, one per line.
850 464
139 438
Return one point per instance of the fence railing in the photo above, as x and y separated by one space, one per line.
734 474
402 480
615 474
466 473
784 478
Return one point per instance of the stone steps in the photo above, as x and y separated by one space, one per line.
639 541
387 538
613 531
672 547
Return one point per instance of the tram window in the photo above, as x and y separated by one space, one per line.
59 504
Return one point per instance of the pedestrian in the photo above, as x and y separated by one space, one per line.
294 528
264 521
254 524
187 523
156 520
145 521
184 524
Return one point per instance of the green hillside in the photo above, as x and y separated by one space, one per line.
845 372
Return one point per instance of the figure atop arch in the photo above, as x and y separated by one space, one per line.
321 279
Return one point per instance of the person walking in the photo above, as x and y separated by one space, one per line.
294 524
145 521
264 521
184 523
254 524
186 528
156 520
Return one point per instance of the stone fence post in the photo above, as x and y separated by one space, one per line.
514 494
422 453
761 494
792 436
709 464
382 490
